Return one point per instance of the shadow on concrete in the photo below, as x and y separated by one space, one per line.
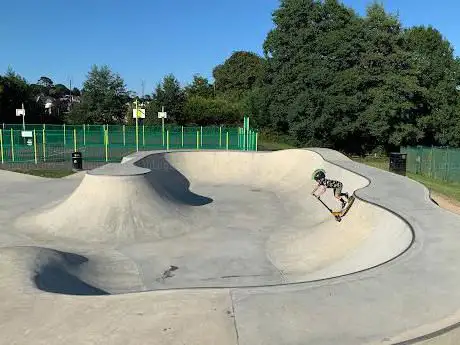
55 277
169 182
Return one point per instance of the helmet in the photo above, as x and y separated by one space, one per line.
318 174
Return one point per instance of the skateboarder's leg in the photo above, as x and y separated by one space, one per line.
338 195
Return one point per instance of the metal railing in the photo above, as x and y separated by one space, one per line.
109 143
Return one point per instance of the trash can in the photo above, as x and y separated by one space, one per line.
398 163
77 161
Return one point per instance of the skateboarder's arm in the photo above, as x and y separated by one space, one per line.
316 188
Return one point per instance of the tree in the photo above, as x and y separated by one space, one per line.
312 85
204 111
390 79
104 98
45 82
171 96
438 73
200 87
238 74
59 91
15 91
76 92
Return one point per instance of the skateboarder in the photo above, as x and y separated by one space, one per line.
320 177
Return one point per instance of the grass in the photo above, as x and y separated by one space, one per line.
50 173
267 145
450 190
376 162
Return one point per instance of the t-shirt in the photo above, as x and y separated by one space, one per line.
330 183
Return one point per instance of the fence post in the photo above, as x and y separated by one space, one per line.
137 134
163 130
447 165
220 136
12 144
257 134
226 144
35 147
74 140
239 137
84 134
44 144
106 142
143 135
201 136
182 141
1 145
247 136
124 135
197 140
167 139
65 141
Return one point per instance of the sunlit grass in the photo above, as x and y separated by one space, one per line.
448 189
50 173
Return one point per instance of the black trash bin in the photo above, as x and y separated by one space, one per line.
398 163
77 161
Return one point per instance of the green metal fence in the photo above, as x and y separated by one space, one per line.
440 163
109 143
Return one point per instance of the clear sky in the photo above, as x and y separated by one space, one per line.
144 40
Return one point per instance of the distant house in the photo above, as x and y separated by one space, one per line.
63 103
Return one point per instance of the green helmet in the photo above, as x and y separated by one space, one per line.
318 174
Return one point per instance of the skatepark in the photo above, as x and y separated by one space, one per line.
224 247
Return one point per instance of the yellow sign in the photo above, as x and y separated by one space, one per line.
140 113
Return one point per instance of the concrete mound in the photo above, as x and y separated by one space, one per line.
110 208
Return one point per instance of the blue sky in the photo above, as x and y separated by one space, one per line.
144 40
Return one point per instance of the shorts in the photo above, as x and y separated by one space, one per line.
338 189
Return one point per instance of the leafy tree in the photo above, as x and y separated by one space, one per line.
59 91
200 87
391 83
15 91
76 92
104 98
438 73
171 96
238 74
46 82
203 111
312 83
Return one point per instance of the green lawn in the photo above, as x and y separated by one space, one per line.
376 162
267 145
448 189
45 172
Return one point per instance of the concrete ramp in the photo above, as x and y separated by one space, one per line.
222 219
118 208
242 252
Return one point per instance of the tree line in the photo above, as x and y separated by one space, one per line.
328 77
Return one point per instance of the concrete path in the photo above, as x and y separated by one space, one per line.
241 252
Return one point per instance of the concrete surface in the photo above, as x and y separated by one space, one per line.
240 250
